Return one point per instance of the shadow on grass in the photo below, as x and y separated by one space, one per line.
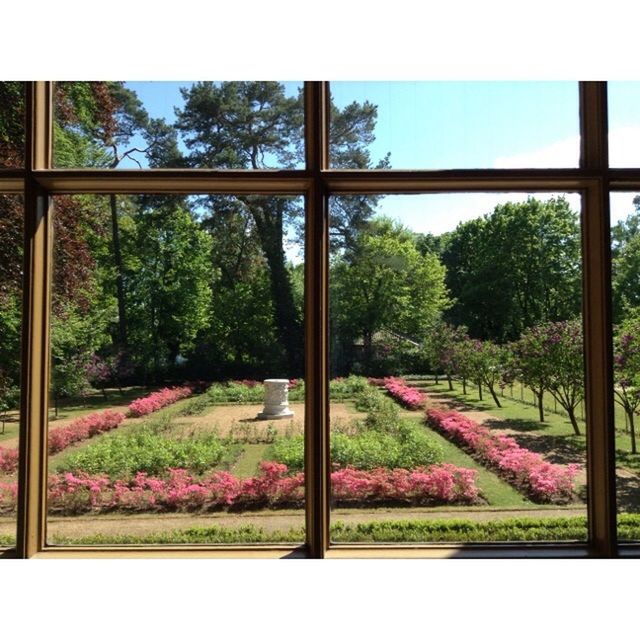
628 493
456 402
556 449
517 424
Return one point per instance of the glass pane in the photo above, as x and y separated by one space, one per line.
11 216
454 125
625 253
457 366
216 125
11 125
624 123
177 356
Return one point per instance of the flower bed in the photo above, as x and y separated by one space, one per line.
72 494
158 400
8 460
83 429
529 471
410 397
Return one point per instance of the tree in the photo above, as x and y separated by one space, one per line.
255 125
626 370
385 284
553 358
532 367
625 264
514 268
486 364
169 282
440 347
95 125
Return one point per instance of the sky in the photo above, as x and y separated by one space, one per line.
445 124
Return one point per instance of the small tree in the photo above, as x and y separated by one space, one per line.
626 371
440 349
554 353
487 362
532 368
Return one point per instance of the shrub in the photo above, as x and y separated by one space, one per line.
144 451
238 392
79 493
407 396
158 399
525 469
83 429
369 449
343 388
8 460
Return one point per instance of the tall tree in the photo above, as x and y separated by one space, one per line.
255 125
625 264
514 268
384 283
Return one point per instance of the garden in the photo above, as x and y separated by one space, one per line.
456 354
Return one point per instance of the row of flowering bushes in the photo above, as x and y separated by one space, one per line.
529 471
59 439
70 494
410 397
159 399
83 429
8 460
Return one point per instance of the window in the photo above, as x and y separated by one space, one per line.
321 194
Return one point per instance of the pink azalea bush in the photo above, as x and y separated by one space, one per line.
180 491
410 397
8 460
158 399
544 481
83 429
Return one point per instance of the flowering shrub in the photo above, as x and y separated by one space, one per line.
408 396
69 493
158 399
83 428
8 460
527 470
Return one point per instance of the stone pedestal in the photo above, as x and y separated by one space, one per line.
276 400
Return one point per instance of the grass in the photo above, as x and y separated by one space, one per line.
496 491
248 462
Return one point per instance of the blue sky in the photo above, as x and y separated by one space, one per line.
443 125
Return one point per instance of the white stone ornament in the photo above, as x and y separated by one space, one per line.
276 400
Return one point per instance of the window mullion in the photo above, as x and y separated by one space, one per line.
32 473
598 348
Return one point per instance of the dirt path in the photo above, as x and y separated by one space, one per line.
145 524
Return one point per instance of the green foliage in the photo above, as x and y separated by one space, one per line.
234 392
386 284
381 440
345 388
514 268
124 455
625 264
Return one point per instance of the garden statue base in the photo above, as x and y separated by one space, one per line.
276 400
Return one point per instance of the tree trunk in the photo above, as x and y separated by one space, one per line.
367 346
450 382
117 257
632 429
540 396
572 418
464 385
495 397
268 217
480 390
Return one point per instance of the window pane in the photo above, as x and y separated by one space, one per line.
625 244
11 125
11 216
624 123
202 125
457 366
177 334
454 125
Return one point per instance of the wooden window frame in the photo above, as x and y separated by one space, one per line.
594 180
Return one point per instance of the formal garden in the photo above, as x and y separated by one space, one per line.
456 357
